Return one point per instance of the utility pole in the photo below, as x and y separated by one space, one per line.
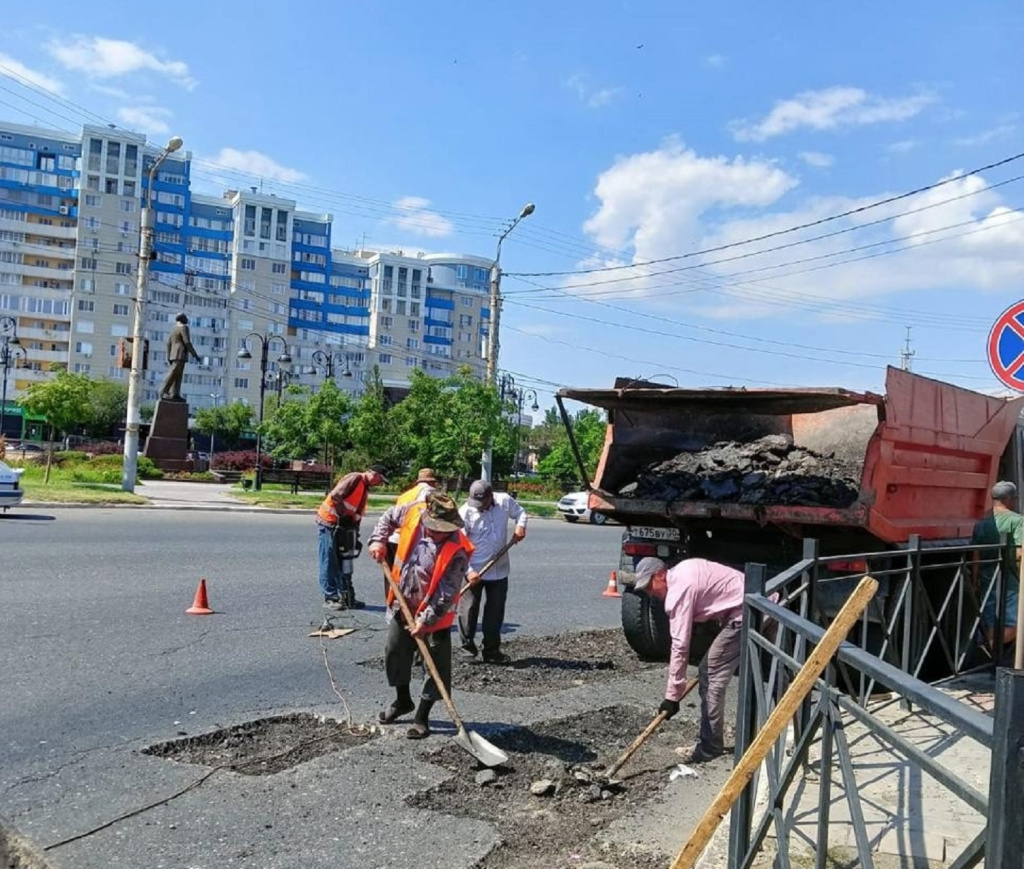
131 434
906 355
494 308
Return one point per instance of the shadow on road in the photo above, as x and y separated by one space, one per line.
27 517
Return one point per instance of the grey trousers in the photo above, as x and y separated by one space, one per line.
495 593
714 673
398 656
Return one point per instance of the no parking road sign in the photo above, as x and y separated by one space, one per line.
1006 347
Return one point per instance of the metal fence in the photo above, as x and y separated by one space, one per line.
925 620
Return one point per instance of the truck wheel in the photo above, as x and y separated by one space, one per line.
569 518
641 625
598 518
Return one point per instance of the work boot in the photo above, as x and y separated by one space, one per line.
469 651
348 597
697 753
496 657
334 603
421 722
402 705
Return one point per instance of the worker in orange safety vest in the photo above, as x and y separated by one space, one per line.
430 567
337 520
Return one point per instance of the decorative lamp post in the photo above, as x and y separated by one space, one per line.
284 359
10 350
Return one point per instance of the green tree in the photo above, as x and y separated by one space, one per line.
109 401
225 423
560 465
374 431
65 402
305 424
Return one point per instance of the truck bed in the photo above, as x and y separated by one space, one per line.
926 452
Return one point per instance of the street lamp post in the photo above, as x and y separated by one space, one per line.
326 362
131 434
493 344
216 396
10 350
518 396
284 359
280 378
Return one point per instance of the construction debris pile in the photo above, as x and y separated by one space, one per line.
770 470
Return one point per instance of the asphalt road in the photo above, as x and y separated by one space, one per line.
100 660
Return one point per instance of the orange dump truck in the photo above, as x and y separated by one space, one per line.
920 460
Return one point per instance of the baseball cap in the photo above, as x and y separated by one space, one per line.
1004 490
645 570
478 492
380 469
441 513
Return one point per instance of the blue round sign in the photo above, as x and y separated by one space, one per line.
1006 347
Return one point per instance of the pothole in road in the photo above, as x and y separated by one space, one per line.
562 761
266 745
541 665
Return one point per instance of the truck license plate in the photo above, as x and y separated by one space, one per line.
652 533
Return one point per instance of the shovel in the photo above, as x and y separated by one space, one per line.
476 745
656 722
490 563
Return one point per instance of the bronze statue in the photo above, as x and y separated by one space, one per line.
179 347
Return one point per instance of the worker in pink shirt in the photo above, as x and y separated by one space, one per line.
696 590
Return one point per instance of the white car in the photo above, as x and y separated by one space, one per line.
573 507
11 492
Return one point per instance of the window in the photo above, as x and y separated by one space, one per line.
83 347
248 264
279 268
465 336
86 285
113 158
412 344
120 310
92 183
110 186
131 164
282 225
241 383
266 216
462 272
387 322
400 308
414 309
86 327
127 205
385 358
467 302
128 188
123 268
414 325
465 319
277 288
385 341
119 330
86 305
95 150
87 262
122 289
250 220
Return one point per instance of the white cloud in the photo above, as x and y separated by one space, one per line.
591 96
415 216
716 61
667 202
902 147
17 71
255 163
152 120
108 91
102 58
985 137
829 109
817 159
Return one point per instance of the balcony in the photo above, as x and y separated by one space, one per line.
48 273
51 335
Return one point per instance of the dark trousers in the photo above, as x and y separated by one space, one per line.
398 656
494 613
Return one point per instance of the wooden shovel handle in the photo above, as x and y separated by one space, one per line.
424 651
490 563
656 722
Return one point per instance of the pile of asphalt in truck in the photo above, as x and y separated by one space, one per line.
769 471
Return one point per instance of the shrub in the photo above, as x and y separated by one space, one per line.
241 460
147 470
105 448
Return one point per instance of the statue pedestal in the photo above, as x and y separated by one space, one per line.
167 444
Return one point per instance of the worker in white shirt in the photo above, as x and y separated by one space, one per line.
486 515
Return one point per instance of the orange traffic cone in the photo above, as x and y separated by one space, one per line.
613 586
200 605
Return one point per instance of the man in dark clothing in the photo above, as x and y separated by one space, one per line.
430 566
179 348
338 518
1001 519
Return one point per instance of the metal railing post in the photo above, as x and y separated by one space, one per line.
1001 591
746 716
1006 782
810 551
913 566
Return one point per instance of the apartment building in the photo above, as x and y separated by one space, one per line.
39 181
247 268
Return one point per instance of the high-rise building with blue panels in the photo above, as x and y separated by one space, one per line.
245 266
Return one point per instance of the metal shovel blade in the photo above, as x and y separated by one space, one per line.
480 748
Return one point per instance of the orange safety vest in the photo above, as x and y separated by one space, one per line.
406 538
409 496
354 504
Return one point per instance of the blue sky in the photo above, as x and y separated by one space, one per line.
641 131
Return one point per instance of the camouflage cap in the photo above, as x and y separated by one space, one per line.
441 513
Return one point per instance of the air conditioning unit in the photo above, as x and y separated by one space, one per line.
64 209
